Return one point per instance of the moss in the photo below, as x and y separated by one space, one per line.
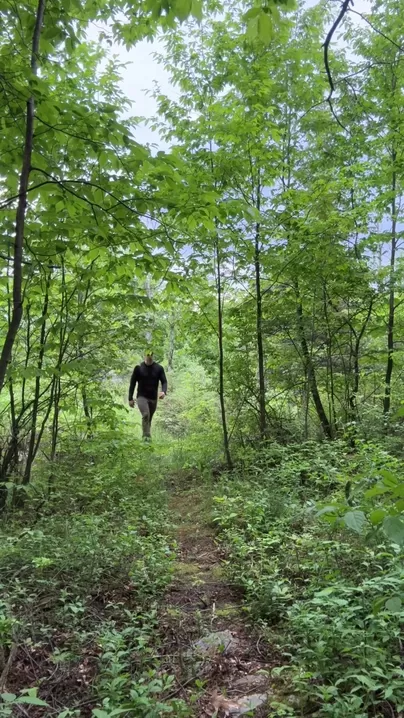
186 569
227 610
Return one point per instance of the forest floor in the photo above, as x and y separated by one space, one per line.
220 663
219 660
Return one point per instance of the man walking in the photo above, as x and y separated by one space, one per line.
147 376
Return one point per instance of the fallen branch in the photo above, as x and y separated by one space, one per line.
7 667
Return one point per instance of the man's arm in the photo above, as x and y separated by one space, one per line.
163 380
132 384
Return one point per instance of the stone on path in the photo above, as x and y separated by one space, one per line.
218 642
241 706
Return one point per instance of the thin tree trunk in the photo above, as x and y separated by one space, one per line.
171 345
258 298
22 207
87 411
306 395
311 375
356 369
226 442
55 430
330 367
391 317
32 439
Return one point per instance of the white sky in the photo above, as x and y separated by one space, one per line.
143 71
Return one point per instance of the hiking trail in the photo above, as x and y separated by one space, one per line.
218 660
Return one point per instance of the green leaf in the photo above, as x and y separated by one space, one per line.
326 591
378 605
251 13
196 10
366 681
8 697
393 527
377 516
265 28
394 605
377 490
389 479
355 520
32 701
182 9
326 510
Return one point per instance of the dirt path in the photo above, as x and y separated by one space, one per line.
218 661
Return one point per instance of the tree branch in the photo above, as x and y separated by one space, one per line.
343 11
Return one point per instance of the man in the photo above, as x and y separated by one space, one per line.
147 377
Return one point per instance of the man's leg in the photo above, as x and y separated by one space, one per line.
152 408
143 406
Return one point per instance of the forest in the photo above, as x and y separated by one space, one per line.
249 559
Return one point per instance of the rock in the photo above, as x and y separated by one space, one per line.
218 642
250 703
239 707
250 682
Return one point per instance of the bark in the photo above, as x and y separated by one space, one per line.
56 392
258 298
391 316
330 365
356 369
171 346
226 442
311 374
33 432
22 207
87 411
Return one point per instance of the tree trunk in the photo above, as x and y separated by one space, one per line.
56 390
330 363
391 317
22 207
32 438
226 442
258 298
87 411
311 375
171 345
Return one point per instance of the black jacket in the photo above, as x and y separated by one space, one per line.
147 378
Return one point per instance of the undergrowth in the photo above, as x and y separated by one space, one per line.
327 597
81 568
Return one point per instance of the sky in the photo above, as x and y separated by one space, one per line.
139 77
143 71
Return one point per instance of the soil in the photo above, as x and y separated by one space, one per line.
202 602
